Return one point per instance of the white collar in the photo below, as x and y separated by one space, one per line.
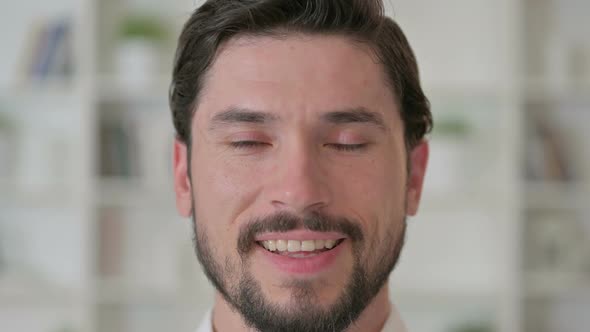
393 323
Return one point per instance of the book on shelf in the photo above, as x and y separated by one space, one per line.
135 143
111 235
48 53
118 148
546 154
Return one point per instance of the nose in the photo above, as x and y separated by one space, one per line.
300 184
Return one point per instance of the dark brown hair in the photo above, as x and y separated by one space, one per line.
216 21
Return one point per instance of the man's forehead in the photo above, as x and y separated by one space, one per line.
296 74
270 57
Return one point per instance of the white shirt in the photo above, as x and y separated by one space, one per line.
393 323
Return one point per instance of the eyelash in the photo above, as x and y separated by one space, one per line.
335 146
348 147
247 144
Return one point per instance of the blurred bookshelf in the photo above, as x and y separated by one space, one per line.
556 104
500 243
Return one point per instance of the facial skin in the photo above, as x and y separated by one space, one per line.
298 127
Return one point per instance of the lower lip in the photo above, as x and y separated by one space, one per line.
303 265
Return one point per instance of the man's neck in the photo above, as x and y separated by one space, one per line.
372 319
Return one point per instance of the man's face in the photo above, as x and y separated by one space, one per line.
297 145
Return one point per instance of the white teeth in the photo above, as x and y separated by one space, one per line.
281 245
297 246
272 245
308 245
329 244
319 244
293 246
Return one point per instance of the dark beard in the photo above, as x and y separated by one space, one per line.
246 296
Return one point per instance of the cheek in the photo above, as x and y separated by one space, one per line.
217 198
374 185
223 189
374 193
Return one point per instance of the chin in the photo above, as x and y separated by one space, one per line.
318 292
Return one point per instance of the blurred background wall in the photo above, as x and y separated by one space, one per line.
89 237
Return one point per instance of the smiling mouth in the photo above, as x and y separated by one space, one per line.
299 249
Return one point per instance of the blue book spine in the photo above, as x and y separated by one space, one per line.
54 36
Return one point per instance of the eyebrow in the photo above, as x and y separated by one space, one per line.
234 115
355 115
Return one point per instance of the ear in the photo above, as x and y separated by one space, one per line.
182 183
419 160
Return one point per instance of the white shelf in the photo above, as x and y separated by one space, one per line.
552 284
27 291
543 90
129 192
467 90
450 200
112 90
49 86
555 195
57 195
117 293
444 297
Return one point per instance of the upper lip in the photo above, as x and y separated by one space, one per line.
300 235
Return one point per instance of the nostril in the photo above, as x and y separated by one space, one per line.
278 204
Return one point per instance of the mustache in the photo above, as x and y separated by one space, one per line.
286 221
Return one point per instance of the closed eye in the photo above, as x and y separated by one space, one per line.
348 147
247 144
